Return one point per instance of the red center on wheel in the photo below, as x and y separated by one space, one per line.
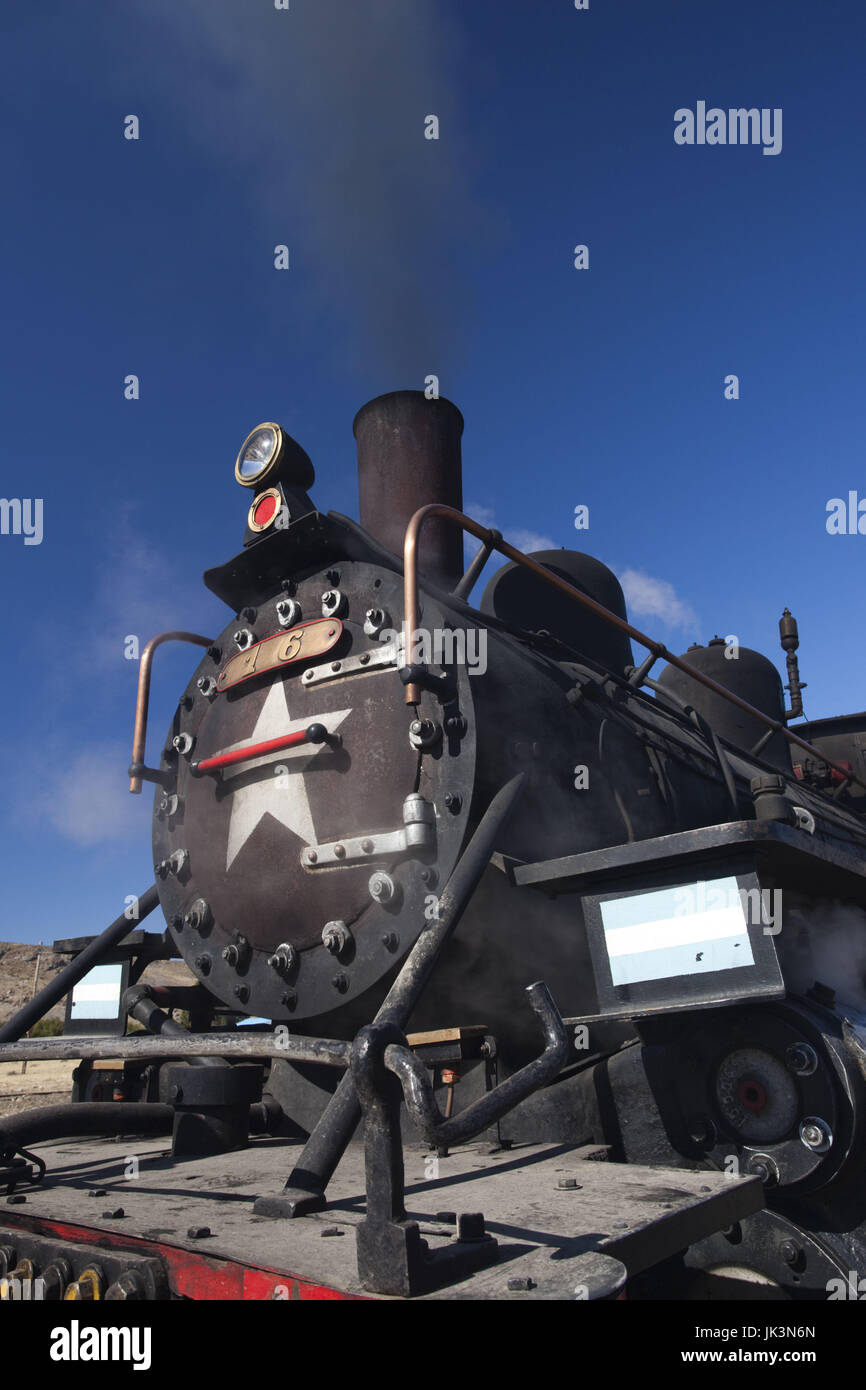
265 511
752 1096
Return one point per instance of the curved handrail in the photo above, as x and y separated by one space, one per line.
142 700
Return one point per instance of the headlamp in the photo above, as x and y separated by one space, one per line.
259 454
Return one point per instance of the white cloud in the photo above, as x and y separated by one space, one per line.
88 801
647 597
518 536
140 591
529 540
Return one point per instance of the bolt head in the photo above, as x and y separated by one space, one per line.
199 915
764 1168
802 1059
816 1135
178 861
382 887
335 937
284 958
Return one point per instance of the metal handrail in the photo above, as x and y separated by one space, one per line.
493 540
142 700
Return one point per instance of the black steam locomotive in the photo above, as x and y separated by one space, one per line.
382 812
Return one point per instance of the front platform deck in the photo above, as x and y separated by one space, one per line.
552 1209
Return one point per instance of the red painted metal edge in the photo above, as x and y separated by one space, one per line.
191 1275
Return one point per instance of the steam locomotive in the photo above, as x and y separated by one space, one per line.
382 813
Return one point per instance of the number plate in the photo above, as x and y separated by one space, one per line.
300 643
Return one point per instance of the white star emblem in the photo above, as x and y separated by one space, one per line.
289 804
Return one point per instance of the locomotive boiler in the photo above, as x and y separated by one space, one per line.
385 807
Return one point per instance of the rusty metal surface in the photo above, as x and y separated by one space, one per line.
237 1046
409 455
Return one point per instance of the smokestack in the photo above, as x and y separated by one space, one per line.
409 456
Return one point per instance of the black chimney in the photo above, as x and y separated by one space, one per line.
408 456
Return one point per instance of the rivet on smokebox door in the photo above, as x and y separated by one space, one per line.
341 982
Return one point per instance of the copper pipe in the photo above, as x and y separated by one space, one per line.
139 733
659 650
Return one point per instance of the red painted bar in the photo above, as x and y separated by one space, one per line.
253 750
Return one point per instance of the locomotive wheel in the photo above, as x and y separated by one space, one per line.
770 1256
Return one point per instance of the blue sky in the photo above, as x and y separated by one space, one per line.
305 127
